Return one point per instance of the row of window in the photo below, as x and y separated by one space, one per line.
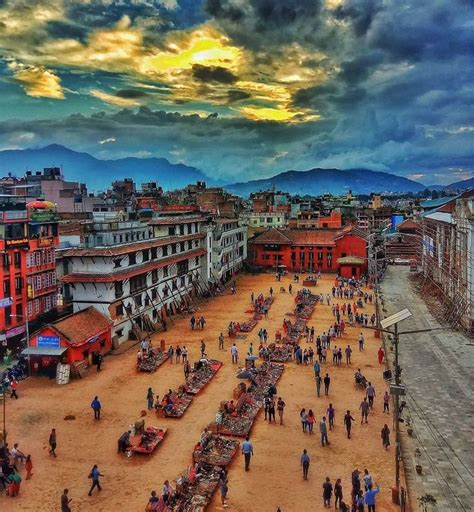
153 253
154 294
44 280
7 289
43 257
183 229
139 282
42 304
6 260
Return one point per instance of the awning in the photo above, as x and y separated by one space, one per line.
43 351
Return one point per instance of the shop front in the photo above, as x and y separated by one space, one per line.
78 338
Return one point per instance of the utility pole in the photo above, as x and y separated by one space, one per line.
397 413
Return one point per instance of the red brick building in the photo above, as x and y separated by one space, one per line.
312 250
28 237
73 338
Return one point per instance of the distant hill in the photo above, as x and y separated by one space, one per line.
98 174
333 181
461 185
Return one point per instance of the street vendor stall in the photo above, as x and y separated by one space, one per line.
151 360
215 450
310 281
201 375
147 441
174 404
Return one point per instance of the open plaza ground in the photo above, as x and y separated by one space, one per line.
275 477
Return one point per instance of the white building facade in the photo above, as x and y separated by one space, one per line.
139 274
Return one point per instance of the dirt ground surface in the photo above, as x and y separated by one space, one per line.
275 478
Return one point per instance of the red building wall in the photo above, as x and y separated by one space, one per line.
102 344
324 258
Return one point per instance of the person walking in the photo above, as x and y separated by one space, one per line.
318 385
65 501
271 291
386 402
149 398
221 341
281 409
327 382
96 407
348 352
317 369
348 419
327 492
28 467
192 322
234 352
99 361
369 498
380 355
364 409
303 418
371 394
385 435
271 411
186 369
13 388
224 489
338 494
247 450
361 342
367 479
203 349
52 442
310 419
323 429
305 464
331 412
94 476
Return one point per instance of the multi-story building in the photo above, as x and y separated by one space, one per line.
229 248
447 255
324 250
138 274
264 219
29 291
313 219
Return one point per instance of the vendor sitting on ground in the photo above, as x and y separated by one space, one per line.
230 407
124 442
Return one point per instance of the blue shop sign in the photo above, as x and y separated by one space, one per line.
49 341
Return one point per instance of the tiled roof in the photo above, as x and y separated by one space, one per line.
175 220
323 237
350 260
112 277
81 326
275 236
408 224
118 250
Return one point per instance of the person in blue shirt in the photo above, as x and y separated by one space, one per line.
370 498
305 464
247 450
96 407
94 475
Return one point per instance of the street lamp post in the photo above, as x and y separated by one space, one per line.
397 389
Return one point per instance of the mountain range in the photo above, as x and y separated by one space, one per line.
98 174
333 181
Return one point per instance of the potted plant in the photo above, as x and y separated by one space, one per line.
418 466
424 501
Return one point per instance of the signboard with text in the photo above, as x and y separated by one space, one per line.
49 341
7 301
44 216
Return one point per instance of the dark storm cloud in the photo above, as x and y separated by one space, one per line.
131 94
236 95
360 13
213 74
360 68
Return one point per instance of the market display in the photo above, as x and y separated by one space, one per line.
215 450
150 361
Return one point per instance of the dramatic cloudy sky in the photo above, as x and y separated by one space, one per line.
245 88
